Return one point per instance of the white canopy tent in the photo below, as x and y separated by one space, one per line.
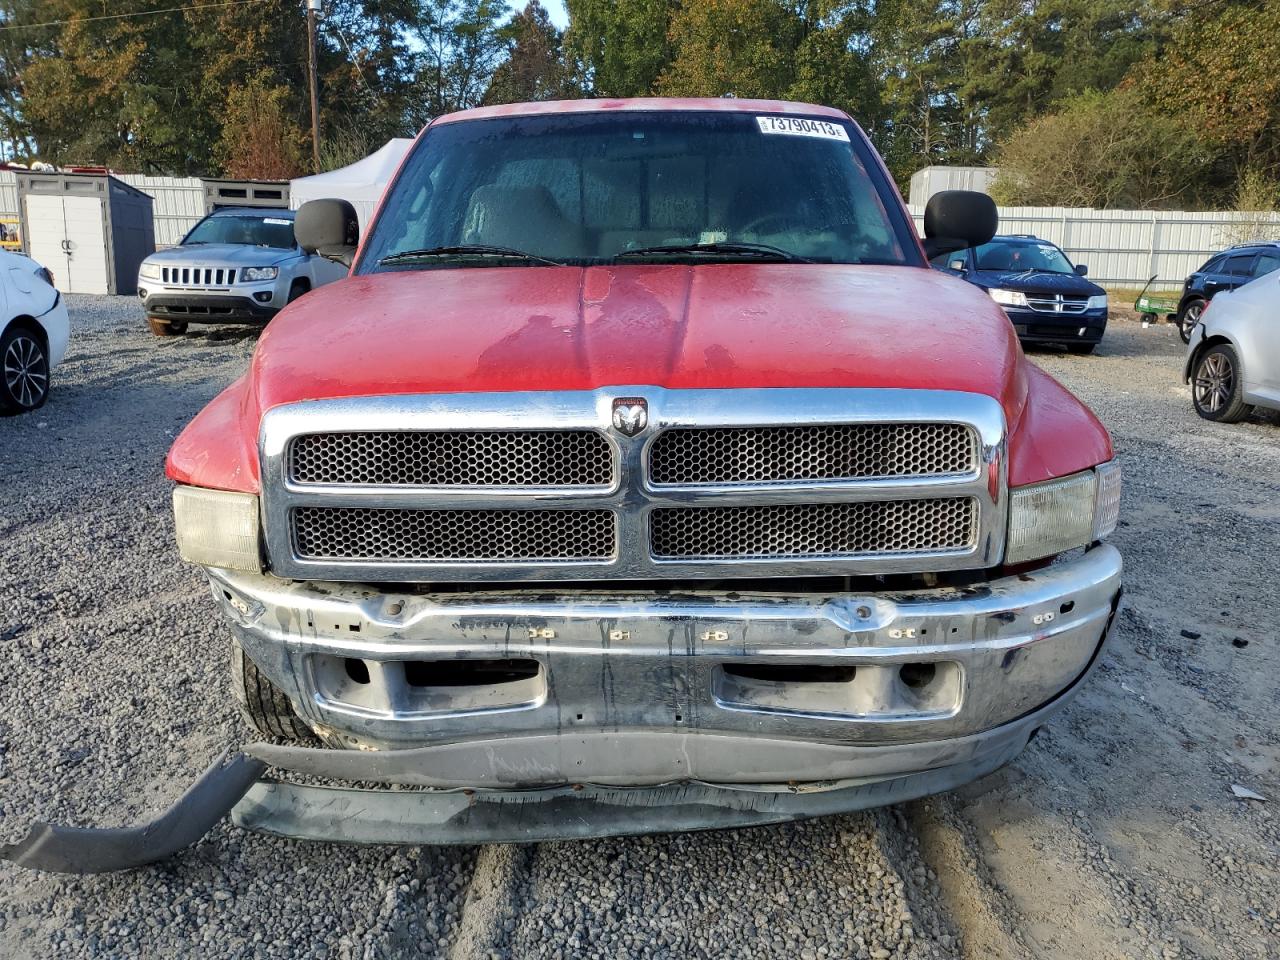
361 183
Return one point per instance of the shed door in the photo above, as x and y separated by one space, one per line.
68 237
46 229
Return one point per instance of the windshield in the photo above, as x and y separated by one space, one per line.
1022 257
252 230
602 188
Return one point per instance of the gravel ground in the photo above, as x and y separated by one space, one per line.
1114 835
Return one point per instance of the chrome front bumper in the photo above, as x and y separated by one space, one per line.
845 671
635 720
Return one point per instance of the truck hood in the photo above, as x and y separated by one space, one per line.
237 254
673 326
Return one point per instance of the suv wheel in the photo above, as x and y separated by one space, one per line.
24 371
1188 317
1216 387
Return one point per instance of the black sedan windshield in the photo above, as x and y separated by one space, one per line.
1021 256
254 231
639 187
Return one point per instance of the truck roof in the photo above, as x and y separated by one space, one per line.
655 104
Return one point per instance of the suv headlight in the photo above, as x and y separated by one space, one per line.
1008 298
1098 303
250 274
217 529
149 271
1058 515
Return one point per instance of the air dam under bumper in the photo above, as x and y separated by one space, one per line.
697 710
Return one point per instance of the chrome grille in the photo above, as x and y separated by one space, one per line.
453 536
540 487
463 458
866 528
1057 303
813 453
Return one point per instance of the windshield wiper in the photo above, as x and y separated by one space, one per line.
731 248
465 250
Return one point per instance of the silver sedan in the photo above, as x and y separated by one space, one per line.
1233 362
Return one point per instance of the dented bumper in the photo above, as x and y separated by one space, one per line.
680 712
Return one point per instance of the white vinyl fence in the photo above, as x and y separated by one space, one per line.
1124 248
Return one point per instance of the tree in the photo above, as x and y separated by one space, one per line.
1104 150
534 68
743 47
619 48
462 47
1231 53
260 139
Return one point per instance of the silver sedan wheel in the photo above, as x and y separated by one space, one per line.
1215 380
26 371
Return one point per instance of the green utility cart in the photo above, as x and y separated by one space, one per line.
1152 305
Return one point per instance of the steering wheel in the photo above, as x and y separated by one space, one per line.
782 220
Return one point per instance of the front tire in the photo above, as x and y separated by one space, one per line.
24 370
1188 316
1216 387
297 289
167 328
262 703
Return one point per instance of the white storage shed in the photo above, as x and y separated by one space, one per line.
91 229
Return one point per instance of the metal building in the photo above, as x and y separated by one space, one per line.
245 193
91 229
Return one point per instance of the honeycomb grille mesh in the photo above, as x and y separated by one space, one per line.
448 458
814 530
726 455
453 536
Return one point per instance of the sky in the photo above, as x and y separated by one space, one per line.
555 9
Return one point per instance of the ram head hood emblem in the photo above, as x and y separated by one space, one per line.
630 415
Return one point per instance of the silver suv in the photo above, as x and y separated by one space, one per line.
237 265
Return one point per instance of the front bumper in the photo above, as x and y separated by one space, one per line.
1032 326
253 302
639 713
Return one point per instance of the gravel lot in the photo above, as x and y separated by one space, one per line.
1115 835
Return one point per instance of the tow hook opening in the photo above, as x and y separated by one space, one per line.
400 688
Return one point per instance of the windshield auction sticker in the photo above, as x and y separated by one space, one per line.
803 127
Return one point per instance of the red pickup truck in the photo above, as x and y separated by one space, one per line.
641 476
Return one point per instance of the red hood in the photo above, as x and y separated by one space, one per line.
718 326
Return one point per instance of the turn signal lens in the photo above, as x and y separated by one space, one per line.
217 529
1106 508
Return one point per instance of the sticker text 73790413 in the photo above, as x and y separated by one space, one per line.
803 127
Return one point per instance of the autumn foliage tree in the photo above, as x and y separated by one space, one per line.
260 141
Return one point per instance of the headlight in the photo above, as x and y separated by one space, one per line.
1098 302
217 529
1049 518
1008 298
249 274
149 271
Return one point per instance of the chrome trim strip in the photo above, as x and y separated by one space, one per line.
632 496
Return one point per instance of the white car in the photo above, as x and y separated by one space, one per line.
1233 362
33 332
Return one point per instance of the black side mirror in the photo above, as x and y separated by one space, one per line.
956 219
329 228
1082 270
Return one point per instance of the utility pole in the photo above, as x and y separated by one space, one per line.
314 8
